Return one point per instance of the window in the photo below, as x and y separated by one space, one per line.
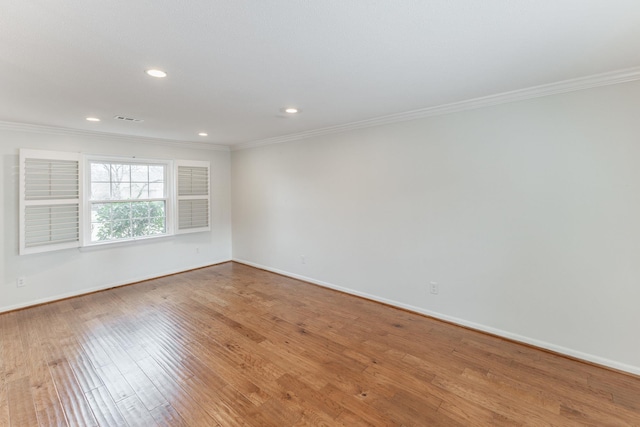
127 200
70 200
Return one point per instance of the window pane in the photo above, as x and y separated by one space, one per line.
156 209
121 211
157 226
100 212
121 229
156 173
156 191
100 191
139 190
139 173
100 172
140 210
100 231
140 227
120 190
120 173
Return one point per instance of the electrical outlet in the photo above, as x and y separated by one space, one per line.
303 259
433 288
20 282
197 250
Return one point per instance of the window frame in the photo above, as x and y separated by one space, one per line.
87 202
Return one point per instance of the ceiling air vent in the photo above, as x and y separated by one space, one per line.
127 119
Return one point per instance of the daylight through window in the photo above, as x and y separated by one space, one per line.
128 200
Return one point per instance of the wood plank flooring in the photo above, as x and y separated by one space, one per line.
231 345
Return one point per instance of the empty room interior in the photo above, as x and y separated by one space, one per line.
358 213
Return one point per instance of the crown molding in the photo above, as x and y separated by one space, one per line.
604 79
49 130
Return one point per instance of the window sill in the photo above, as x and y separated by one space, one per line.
124 242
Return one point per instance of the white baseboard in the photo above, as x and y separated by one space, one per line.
106 286
479 327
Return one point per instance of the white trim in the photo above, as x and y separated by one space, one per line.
52 130
50 202
122 242
109 286
581 83
499 332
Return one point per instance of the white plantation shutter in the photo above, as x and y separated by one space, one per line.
49 201
192 196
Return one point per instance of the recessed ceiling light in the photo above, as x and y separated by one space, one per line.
203 134
156 73
93 119
291 110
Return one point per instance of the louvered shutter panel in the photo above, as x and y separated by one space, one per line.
50 188
193 196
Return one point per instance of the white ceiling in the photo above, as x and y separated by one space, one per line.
233 64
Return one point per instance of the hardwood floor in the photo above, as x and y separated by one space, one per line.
232 345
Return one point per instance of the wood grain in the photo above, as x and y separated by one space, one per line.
231 345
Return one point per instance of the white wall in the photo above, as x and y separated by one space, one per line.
69 272
527 215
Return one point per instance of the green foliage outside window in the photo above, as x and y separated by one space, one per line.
122 220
